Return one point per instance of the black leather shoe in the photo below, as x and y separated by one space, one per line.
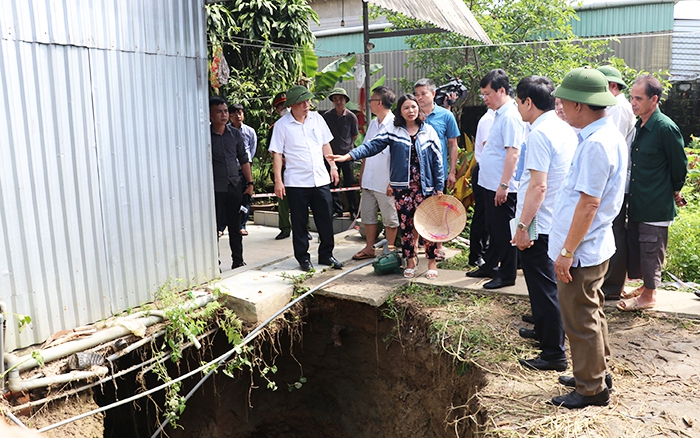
282 235
612 297
527 333
332 262
697 294
482 273
498 283
237 265
544 365
574 400
309 236
528 319
306 266
571 381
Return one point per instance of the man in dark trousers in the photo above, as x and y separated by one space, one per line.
227 151
343 126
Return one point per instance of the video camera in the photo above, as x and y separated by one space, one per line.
453 86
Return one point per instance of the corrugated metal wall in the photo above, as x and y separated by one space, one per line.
624 20
686 56
105 173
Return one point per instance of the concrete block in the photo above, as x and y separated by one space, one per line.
266 218
254 295
339 224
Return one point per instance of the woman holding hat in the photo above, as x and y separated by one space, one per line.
416 172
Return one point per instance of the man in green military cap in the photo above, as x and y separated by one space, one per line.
581 239
343 125
300 142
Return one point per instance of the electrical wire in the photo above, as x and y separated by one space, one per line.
215 363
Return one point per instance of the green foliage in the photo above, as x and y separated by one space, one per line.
263 42
682 259
245 358
298 281
629 74
36 355
519 31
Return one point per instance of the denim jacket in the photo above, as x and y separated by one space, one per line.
432 176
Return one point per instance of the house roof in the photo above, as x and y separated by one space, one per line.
450 15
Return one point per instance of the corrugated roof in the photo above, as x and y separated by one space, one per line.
450 15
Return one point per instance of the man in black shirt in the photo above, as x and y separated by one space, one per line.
226 146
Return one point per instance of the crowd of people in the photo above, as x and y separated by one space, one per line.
574 184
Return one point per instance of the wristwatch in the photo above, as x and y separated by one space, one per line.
249 183
504 186
334 167
522 226
565 253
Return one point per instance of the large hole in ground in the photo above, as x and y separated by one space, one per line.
363 378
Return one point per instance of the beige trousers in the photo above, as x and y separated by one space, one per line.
581 302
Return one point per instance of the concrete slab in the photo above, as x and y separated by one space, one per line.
268 259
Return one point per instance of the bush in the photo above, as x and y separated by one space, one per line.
682 259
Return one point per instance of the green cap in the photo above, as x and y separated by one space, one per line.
586 85
613 75
339 91
296 94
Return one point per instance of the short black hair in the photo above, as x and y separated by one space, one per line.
497 79
386 94
539 89
235 107
398 118
216 101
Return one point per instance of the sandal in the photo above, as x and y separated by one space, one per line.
409 273
432 274
362 255
440 256
632 305
634 294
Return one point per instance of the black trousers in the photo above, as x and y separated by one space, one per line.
500 252
348 180
478 235
319 200
616 275
228 207
541 282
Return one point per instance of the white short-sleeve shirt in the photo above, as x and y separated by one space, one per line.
550 148
483 128
302 147
508 131
598 169
375 175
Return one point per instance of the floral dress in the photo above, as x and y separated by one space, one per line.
407 200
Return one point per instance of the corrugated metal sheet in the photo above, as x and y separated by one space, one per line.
644 52
451 15
336 45
624 20
685 62
105 177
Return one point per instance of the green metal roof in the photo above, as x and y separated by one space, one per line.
624 20
353 42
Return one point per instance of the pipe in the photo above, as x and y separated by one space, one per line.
45 400
2 351
218 361
28 385
17 364
134 346
16 420
252 335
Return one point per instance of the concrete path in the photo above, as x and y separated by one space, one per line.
260 288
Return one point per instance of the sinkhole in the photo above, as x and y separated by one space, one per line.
346 369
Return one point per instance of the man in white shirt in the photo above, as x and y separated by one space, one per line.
547 158
478 234
374 178
497 168
624 119
300 141
581 240
250 139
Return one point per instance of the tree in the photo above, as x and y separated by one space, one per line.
262 42
529 37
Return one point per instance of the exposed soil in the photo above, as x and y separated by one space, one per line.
431 363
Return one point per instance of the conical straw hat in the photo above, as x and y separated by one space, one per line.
440 218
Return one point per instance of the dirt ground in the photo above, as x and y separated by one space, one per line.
434 363
654 364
